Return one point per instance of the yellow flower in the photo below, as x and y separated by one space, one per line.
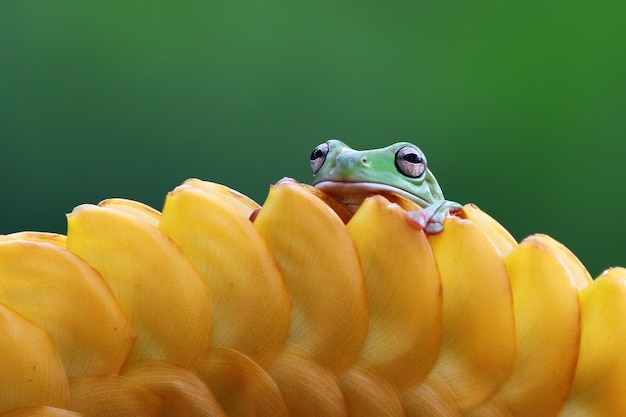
307 310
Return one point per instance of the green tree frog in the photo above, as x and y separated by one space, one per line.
349 175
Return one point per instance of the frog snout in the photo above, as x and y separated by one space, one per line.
362 167
350 162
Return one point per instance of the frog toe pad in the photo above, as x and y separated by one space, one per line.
431 218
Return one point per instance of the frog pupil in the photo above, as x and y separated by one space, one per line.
412 158
317 153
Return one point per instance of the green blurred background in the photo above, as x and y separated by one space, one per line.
520 106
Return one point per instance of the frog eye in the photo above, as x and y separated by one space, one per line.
318 156
410 161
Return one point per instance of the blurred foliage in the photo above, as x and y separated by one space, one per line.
518 105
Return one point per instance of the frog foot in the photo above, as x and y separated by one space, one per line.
431 218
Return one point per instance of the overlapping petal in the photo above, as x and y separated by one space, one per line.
134 208
309 388
252 310
403 293
598 389
31 372
40 411
302 308
367 393
478 328
113 396
241 386
42 237
547 331
320 266
64 295
167 302
182 390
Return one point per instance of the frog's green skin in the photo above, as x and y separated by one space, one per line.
400 168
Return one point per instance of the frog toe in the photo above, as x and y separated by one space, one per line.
418 218
431 218
433 228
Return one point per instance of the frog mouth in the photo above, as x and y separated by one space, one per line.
349 191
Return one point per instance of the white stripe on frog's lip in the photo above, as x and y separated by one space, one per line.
340 187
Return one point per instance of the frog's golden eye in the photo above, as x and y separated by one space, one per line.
318 156
410 161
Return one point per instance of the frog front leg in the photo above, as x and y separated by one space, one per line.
431 218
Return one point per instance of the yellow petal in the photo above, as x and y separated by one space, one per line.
495 407
242 387
40 411
344 214
498 234
403 291
547 326
599 387
403 202
309 389
433 398
113 396
251 307
31 372
133 207
166 300
580 275
183 392
321 269
478 339
42 237
369 393
63 294
243 204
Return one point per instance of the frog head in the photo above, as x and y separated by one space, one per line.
400 168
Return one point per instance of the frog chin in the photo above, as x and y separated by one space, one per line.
353 193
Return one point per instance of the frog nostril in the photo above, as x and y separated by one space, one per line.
364 160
